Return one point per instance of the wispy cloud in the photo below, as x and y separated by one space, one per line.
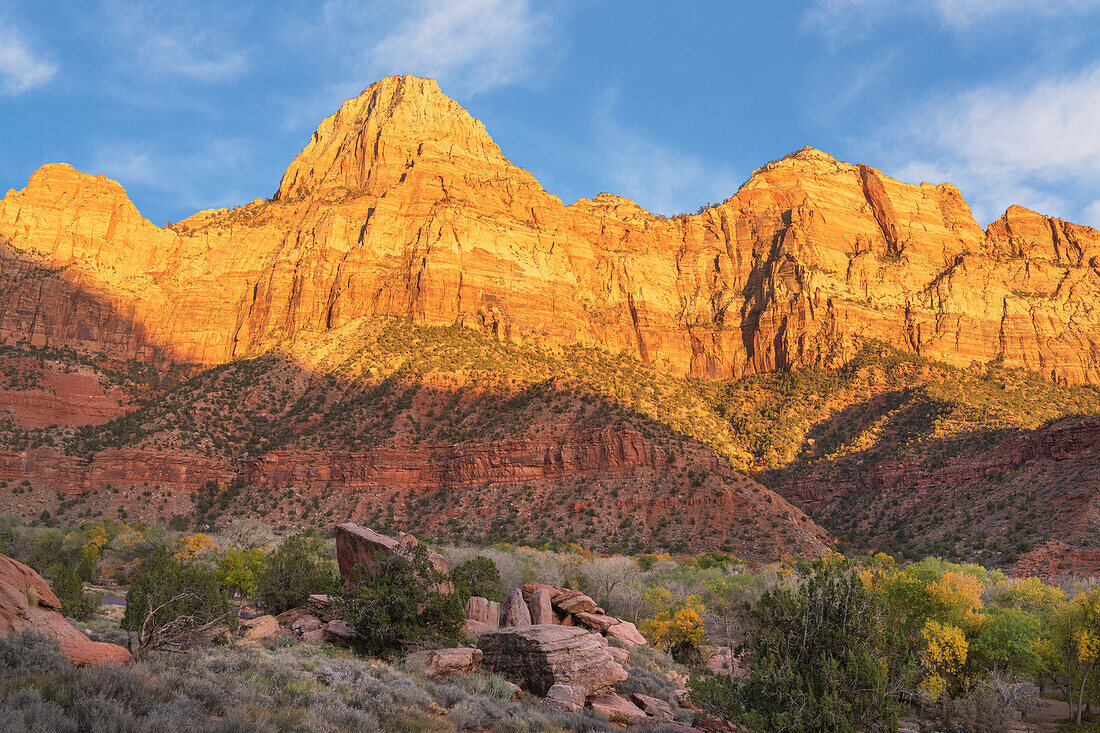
470 46
22 68
1030 141
838 19
660 177
480 44
169 40
188 178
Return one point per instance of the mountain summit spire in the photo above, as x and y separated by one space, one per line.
368 143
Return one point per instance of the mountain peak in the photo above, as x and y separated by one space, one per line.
393 121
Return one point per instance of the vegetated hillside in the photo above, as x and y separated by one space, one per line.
458 434
897 453
443 430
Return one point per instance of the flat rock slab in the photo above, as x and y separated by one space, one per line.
539 657
627 632
442 662
616 707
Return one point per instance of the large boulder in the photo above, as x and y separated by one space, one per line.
442 662
539 657
653 707
262 628
574 602
28 604
626 632
484 611
562 698
515 612
357 545
616 707
542 612
597 621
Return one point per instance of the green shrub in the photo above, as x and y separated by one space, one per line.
400 603
169 597
814 652
478 576
69 589
299 567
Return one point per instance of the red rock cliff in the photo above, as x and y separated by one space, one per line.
401 204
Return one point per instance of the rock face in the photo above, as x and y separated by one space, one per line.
402 205
357 545
539 657
28 604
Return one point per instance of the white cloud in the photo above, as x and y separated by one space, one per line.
657 176
482 44
839 18
21 67
1032 141
165 40
192 179
470 46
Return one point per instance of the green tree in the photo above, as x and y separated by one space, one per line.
402 603
478 576
297 569
1070 647
814 650
238 571
171 601
69 589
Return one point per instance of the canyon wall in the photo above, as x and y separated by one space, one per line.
402 205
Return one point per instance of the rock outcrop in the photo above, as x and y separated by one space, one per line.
538 657
28 604
401 205
360 547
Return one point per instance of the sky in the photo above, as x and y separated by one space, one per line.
198 104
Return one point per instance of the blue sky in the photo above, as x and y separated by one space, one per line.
199 104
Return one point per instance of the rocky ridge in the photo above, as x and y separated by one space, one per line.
402 205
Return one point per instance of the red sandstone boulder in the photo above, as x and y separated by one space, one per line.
514 612
474 628
28 604
616 707
573 601
597 622
627 632
442 662
483 611
357 545
562 698
306 623
539 657
538 603
653 707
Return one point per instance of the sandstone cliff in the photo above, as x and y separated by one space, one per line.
401 204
